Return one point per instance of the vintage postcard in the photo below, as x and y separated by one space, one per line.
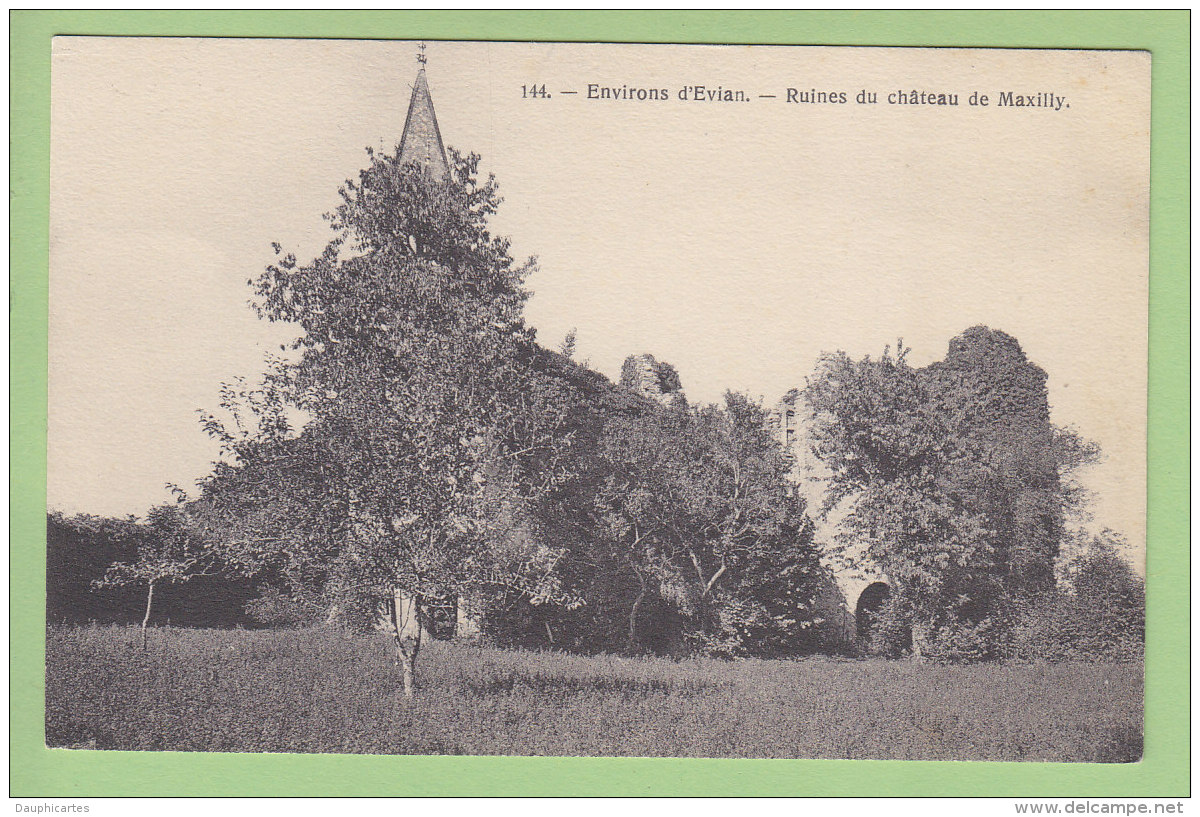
498 398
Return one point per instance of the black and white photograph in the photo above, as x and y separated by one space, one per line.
589 399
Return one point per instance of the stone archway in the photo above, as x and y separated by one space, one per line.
870 601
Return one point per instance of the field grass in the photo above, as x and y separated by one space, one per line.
326 691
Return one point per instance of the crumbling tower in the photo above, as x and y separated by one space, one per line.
654 379
848 605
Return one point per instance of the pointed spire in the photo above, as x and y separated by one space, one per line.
422 139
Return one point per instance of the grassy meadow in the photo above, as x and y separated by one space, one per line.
328 691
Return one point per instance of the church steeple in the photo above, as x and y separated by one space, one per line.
422 139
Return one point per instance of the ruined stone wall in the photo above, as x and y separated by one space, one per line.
791 422
654 379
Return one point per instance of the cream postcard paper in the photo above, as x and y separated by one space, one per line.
733 211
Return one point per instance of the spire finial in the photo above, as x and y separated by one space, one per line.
421 57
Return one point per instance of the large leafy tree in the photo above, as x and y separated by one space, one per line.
430 430
696 504
595 567
889 455
951 479
750 542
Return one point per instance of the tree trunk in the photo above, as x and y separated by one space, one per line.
632 641
465 625
920 641
333 615
406 629
146 618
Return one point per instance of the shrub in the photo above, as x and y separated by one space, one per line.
962 641
274 608
1097 612
891 631
1108 599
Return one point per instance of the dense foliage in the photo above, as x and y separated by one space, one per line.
1098 611
448 455
678 532
418 447
951 481
698 504
429 431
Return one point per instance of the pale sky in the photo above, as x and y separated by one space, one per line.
736 241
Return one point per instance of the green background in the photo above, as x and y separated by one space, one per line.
37 771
